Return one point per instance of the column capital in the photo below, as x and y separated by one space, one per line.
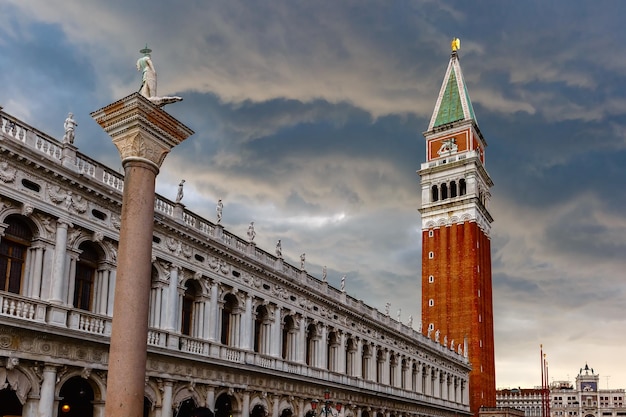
141 130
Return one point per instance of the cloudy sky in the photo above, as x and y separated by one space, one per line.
308 118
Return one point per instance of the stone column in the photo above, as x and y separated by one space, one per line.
275 404
35 286
214 313
210 398
46 396
172 300
110 297
70 278
245 407
358 361
58 264
300 345
322 344
276 337
341 354
166 405
247 333
419 376
143 134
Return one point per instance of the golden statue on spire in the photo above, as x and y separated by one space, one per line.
455 44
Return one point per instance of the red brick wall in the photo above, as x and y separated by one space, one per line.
462 296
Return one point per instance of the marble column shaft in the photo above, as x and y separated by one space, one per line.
127 358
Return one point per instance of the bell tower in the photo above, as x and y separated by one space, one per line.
456 247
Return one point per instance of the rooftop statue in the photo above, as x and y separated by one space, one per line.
218 209
70 127
251 232
279 249
148 87
180 194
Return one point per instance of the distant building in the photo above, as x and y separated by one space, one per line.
584 399
500 412
526 399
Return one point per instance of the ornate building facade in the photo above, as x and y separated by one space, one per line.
231 326
456 248
585 398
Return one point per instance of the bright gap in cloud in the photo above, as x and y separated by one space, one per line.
316 221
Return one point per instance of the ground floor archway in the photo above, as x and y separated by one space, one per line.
10 405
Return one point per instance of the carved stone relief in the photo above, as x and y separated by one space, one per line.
7 172
73 203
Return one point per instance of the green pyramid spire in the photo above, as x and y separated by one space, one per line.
453 103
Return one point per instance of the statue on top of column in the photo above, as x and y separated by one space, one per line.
148 87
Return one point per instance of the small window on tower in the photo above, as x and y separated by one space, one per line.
478 293
431 326
431 233
431 255
431 302
480 318
431 279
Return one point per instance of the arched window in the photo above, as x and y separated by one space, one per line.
452 189
229 322
366 357
262 330
289 339
350 356
85 276
462 187
156 294
433 376
13 248
333 345
444 191
311 340
414 374
380 363
403 375
192 293
435 193
393 370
